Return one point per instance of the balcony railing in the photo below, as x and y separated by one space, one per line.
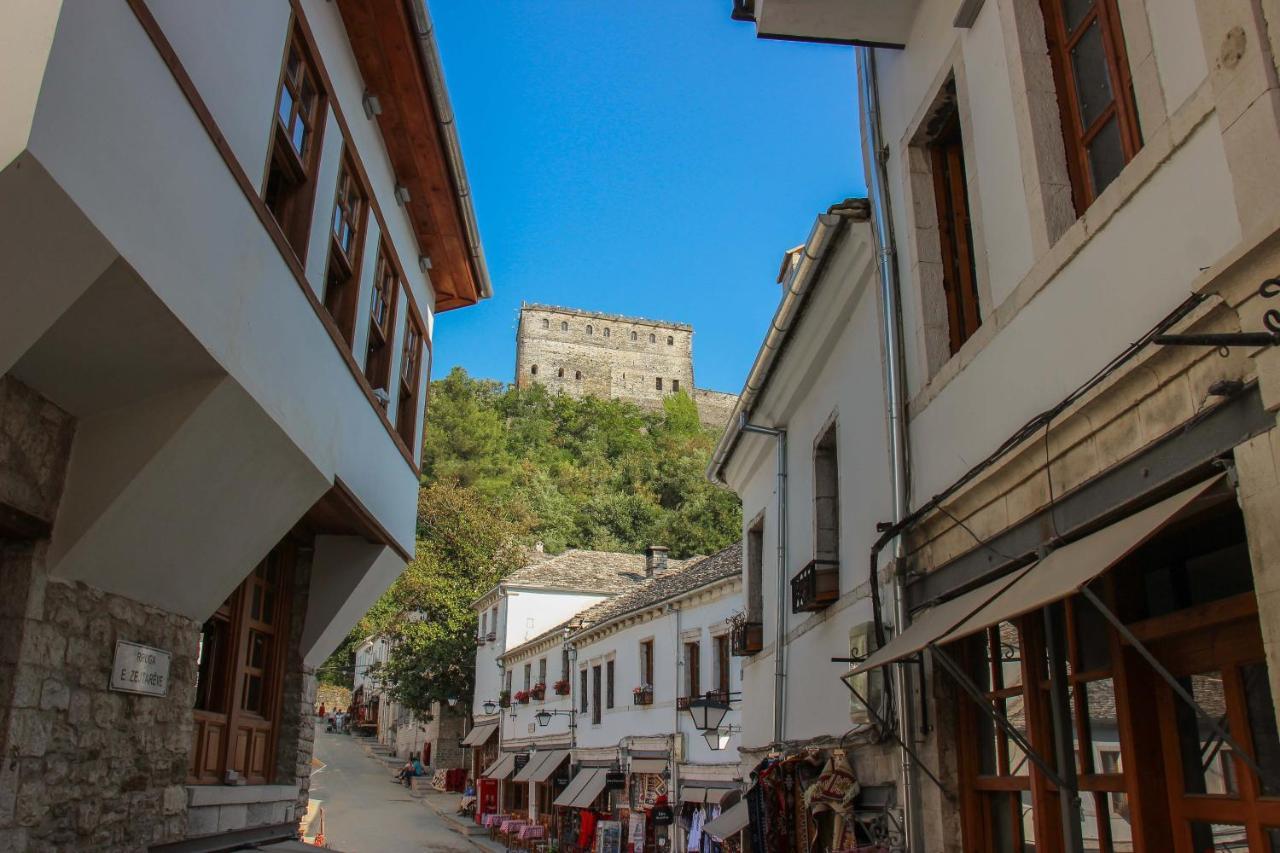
641 696
816 587
746 638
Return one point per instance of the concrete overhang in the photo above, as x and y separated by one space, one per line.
876 23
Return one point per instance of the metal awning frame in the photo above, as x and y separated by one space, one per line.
891 730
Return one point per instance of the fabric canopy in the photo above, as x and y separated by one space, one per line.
1057 576
717 796
541 766
692 794
1072 566
501 768
730 823
480 734
587 784
648 765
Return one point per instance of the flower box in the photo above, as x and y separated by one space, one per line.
538 692
642 696
561 687
522 696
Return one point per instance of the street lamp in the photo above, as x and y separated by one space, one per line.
544 717
718 739
453 701
490 707
708 713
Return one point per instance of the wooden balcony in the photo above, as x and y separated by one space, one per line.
746 638
816 587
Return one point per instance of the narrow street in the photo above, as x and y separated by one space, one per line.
365 813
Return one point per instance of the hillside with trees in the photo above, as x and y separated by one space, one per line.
504 468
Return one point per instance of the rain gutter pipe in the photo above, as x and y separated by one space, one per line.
430 55
895 400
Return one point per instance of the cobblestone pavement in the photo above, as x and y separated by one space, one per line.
365 813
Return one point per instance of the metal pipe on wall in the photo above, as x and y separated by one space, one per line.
895 404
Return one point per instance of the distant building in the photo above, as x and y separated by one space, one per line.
611 356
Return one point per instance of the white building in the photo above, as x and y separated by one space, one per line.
227 231
631 663
1057 188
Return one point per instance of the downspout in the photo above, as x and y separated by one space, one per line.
891 322
675 765
780 634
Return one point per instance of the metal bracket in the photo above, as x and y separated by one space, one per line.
1223 341
1178 689
888 728
966 684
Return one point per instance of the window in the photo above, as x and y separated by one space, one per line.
407 407
1095 93
646 663
484 623
546 324
528 674
955 234
239 669
634 336
605 333
295 145
350 213
722 663
692 667
670 340
826 497
508 683
755 570
653 339
589 329
582 693
564 665
564 327
494 620
577 374
657 383
533 371
560 373
595 695
675 385
608 694
382 309
542 672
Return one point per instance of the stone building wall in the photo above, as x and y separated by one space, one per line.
583 353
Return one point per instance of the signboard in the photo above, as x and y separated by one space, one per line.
609 836
140 669
615 780
662 816
522 758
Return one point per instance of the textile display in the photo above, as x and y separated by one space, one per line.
635 833
780 821
835 791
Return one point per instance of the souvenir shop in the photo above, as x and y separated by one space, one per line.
702 805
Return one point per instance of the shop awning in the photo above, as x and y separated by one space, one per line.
583 788
730 823
648 765
501 768
541 766
1057 576
717 796
692 794
480 734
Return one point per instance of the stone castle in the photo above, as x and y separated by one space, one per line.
607 355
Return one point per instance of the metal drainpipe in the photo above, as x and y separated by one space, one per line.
891 321
675 768
780 635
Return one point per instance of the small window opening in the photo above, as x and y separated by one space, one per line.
657 383
590 330
675 384
577 374
534 370
546 324
560 373
564 326
670 341
653 339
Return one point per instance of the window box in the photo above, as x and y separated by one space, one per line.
747 638
504 699
682 703
480 640
642 696
522 696
816 587
561 687
492 636
538 692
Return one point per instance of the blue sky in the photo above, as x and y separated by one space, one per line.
650 159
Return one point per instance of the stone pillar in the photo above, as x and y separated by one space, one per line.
1258 468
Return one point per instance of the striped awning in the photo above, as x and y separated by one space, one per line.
583 788
480 734
501 768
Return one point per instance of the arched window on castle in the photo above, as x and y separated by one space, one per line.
653 339
560 373
577 374
534 370
634 336
564 326
546 324
589 329
605 332
670 340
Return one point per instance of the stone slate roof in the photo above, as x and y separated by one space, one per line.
680 577
693 574
587 571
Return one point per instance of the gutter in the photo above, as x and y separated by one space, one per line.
796 289
430 55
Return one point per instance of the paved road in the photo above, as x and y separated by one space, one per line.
366 813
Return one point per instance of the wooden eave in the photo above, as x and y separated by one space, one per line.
385 44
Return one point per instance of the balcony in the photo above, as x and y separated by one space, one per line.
816 587
746 639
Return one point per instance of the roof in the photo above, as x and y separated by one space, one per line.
672 583
583 571
679 578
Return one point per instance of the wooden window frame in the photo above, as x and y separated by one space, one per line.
1076 137
385 292
955 230
412 352
723 662
609 681
228 736
693 668
583 677
596 704
342 273
293 213
646 663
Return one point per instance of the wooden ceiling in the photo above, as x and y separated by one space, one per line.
384 38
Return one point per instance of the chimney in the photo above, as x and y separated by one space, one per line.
655 560
537 547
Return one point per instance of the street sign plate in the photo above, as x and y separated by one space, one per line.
140 669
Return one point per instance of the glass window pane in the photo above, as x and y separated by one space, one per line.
1100 721
1212 837
1015 710
1106 155
286 105
1073 12
1010 656
299 137
1262 721
252 693
1092 76
1273 839
1003 829
1206 763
